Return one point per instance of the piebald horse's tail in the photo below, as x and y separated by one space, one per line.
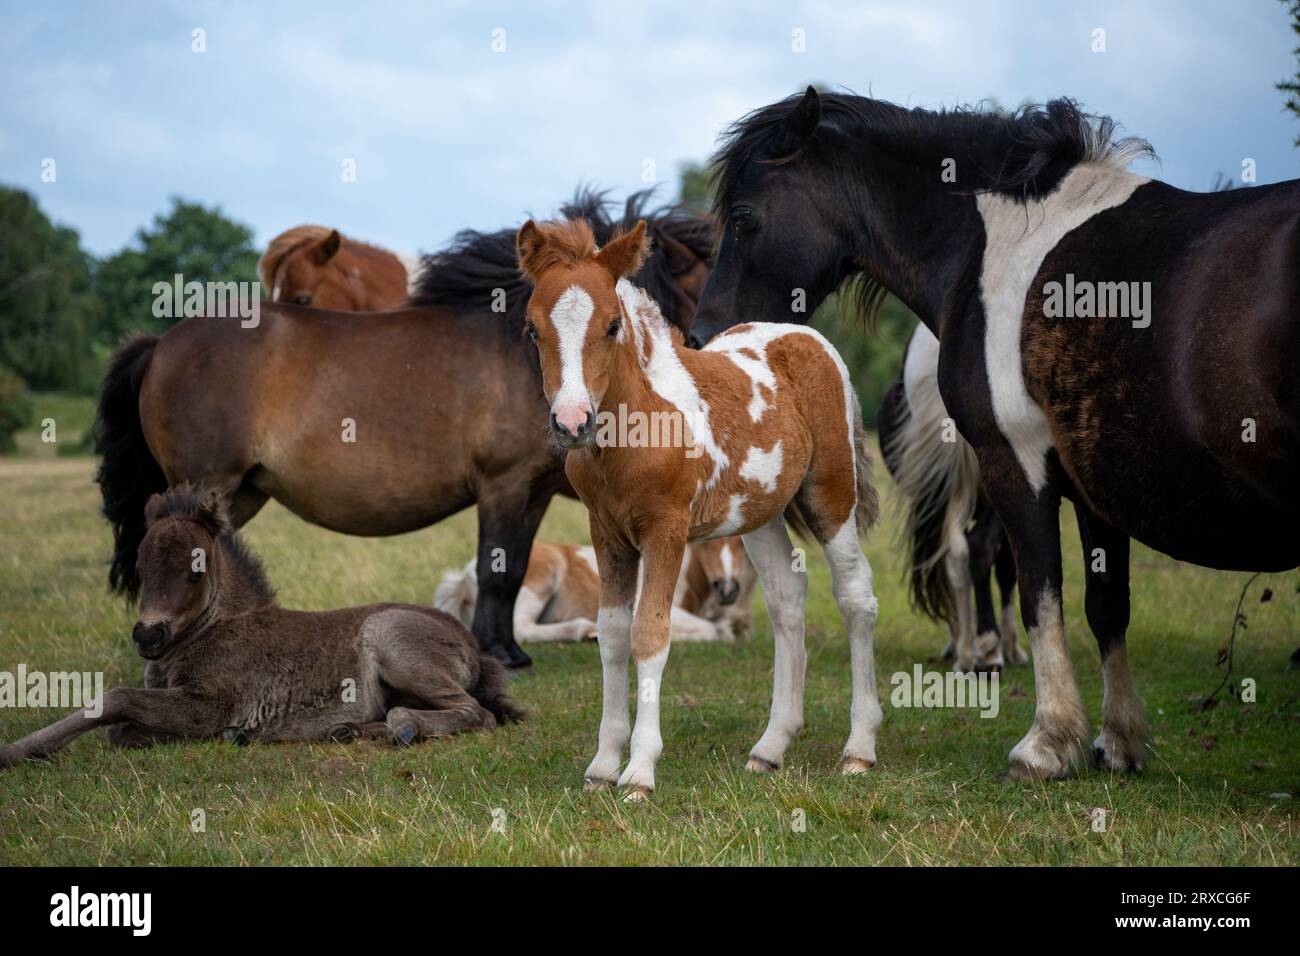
128 473
458 593
937 472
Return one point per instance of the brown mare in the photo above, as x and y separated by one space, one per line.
768 419
319 267
369 424
226 661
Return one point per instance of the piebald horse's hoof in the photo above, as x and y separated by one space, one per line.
757 764
635 793
852 766
1022 772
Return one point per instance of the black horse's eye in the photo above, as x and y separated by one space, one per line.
302 300
740 215
195 576
530 330
614 326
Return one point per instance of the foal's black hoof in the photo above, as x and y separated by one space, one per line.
236 736
344 733
406 735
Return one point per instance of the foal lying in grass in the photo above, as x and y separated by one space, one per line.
560 596
225 660
770 419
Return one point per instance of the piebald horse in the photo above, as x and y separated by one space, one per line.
769 418
1159 399
319 267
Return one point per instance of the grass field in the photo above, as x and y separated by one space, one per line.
1216 793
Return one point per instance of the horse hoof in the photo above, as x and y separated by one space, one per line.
635 793
852 766
344 733
592 784
406 734
236 736
1021 772
757 764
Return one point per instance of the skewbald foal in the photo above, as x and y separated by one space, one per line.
771 420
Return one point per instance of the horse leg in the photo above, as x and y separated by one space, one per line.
851 582
1124 741
530 605
507 524
662 550
1004 566
784 592
173 711
132 736
1056 743
618 571
957 567
983 540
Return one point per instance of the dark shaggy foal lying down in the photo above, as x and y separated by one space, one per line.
225 661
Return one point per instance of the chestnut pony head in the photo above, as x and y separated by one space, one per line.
575 316
318 267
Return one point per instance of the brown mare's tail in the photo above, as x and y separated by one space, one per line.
128 473
490 691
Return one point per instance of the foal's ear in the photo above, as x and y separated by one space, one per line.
213 512
529 244
625 253
328 246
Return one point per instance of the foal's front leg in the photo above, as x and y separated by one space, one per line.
618 569
172 712
651 636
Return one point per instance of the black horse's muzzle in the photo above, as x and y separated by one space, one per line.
151 640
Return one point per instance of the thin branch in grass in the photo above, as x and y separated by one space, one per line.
1225 655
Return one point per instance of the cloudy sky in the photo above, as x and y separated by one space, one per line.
445 132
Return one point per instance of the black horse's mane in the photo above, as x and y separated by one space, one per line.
1022 153
464 277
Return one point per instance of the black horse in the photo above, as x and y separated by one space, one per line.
1104 337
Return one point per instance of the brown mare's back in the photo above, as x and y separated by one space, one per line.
434 399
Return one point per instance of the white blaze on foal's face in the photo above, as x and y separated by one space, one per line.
575 317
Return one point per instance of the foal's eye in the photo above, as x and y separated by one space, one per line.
195 576
302 300
614 326
740 215
531 331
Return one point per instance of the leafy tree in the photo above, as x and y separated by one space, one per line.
1291 87
15 408
192 240
47 308
696 192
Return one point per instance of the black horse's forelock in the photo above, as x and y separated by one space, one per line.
1022 153
465 276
